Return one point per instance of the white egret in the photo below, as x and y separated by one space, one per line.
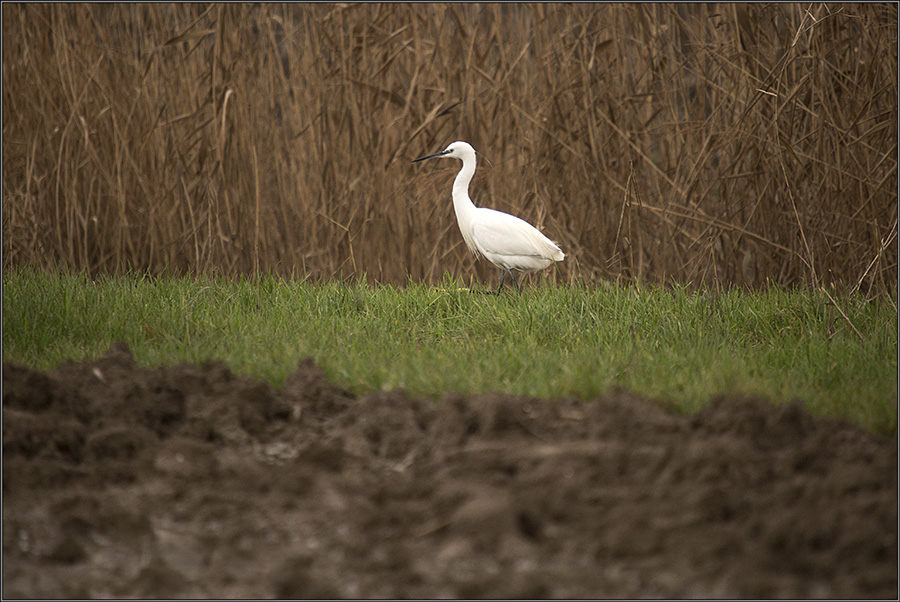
510 243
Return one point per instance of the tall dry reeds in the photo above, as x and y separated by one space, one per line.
704 143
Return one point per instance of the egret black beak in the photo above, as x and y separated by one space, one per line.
440 154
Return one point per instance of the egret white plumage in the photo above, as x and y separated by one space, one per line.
510 243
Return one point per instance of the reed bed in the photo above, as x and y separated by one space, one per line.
700 144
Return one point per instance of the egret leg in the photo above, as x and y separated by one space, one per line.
516 282
503 273
502 276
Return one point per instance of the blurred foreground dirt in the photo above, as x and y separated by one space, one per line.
191 482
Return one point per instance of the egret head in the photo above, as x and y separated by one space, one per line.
456 150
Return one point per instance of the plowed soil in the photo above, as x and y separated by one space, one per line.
187 481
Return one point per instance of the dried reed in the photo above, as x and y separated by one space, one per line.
735 144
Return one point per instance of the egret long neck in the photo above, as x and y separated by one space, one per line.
462 204
461 201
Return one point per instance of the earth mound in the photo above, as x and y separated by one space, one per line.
191 482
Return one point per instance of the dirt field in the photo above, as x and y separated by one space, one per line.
192 482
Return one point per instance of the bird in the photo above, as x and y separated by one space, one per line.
508 242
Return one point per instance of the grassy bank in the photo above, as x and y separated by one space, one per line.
838 355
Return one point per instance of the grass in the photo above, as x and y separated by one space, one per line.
677 346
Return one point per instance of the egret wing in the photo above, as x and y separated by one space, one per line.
499 233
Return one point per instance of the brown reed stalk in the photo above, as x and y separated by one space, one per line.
753 143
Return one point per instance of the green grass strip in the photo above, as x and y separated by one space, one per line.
677 346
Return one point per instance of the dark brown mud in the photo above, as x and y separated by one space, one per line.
186 481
